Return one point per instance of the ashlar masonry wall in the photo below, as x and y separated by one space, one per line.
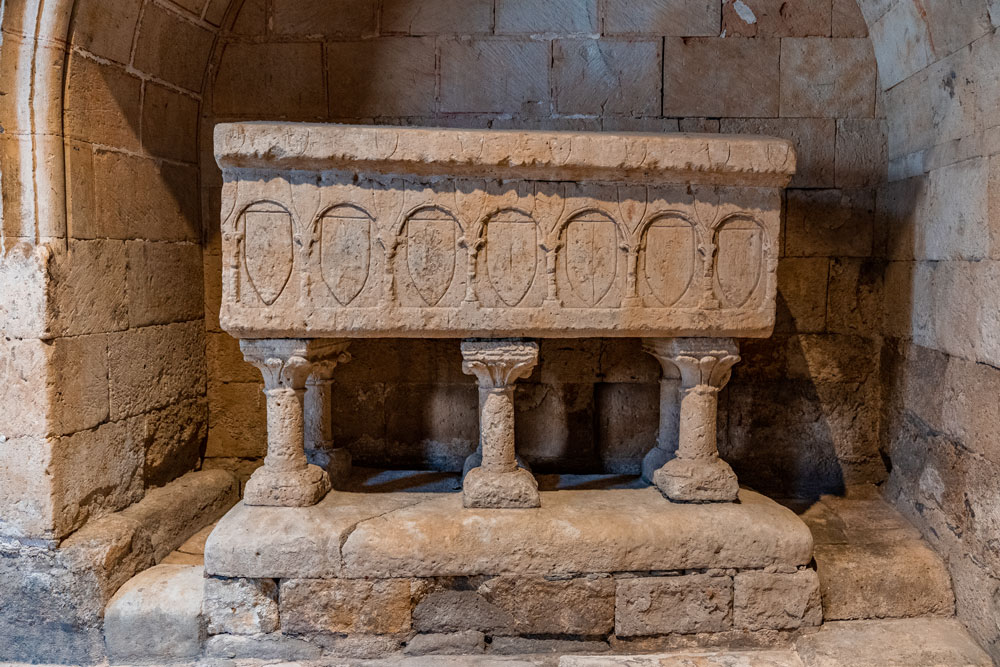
801 416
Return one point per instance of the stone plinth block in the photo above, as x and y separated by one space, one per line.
418 232
240 606
357 535
310 606
776 600
156 616
683 604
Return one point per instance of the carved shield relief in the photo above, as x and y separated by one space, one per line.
511 255
431 241
345 251
268 249
739 261
669 258
591 256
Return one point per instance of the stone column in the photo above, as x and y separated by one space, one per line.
287 479
319 418
697 474
498 481
666 437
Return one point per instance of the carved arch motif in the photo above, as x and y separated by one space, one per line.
741 244
511 246
669 242
345 238
431 235
590 251
268 247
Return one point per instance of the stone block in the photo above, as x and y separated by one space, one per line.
466 17
895 643
173 438
172 513
862 153
336 18
102 104
449 643
356 606
225 360
156 616
627 424
27 500
24 298
268 80
747 69
451 611
79 388
169 124
261 647
95 472
776 18
827 78
106 29
579 606
954 216
24 373
903 45
164 283
684 604
512 76
240 606
802 292
894 580
405 85
606 76
546 16
88 288
156 53
237 422
776 601
828 223
143 199
847 19
854 295
690 18
174 369
814 139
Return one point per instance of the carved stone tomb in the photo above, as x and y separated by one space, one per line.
500 238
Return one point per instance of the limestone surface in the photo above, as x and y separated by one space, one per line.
356 535
334 231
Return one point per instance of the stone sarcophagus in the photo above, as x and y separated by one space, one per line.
339 232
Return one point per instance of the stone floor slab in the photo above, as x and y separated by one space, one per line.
912 642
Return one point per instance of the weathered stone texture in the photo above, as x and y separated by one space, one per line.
661 605
157 613
240 606
355 606
777 601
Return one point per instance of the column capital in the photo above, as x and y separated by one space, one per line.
498 364
287 363
701 361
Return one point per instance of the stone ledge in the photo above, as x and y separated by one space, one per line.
358 535
505 154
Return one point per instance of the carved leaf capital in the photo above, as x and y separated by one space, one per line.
498 364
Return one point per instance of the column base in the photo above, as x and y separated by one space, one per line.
475 459
486 489
697 481
655 459
298 488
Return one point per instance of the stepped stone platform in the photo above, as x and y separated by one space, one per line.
360 573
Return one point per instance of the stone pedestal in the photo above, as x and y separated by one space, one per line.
320 449
696 473
498 481
287 479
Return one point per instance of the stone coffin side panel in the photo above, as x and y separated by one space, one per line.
685 604
382 255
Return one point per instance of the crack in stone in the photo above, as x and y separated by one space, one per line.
346 535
